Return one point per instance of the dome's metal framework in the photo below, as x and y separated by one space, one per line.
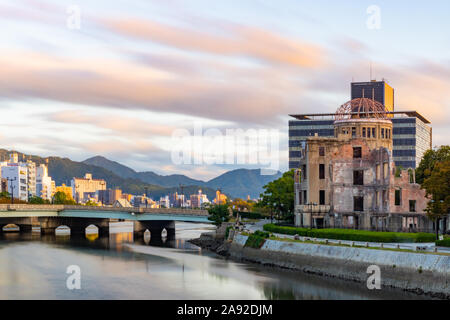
361 108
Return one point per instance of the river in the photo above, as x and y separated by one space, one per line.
117 267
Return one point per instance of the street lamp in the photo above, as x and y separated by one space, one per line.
271 212
12 188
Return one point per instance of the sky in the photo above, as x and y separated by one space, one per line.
120 78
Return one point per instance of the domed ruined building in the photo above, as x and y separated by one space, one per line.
350 180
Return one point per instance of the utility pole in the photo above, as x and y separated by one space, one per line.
12 188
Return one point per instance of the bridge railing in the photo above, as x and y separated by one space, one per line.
57 207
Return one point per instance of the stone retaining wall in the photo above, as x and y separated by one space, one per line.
421 273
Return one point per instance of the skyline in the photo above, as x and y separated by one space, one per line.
134 73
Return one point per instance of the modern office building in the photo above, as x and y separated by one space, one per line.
411 131
379 91
412 135
109 196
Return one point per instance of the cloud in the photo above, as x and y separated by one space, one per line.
115 124
235 40
124 85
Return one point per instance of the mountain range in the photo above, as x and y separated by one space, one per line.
237 183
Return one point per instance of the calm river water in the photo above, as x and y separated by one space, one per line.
116 267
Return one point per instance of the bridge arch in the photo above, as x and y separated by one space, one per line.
92 229
63 230
10 227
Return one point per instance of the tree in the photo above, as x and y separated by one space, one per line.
62 198
5 195
218 214
91 203
242 205
437 185
279 195
429 160
37 200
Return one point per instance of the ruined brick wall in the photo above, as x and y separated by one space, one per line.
409 191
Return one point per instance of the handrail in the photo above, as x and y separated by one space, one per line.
58 207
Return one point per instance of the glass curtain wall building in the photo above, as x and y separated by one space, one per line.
411 135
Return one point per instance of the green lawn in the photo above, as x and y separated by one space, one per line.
352 234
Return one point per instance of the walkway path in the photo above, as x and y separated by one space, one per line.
427 247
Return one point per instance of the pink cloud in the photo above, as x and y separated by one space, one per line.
237 40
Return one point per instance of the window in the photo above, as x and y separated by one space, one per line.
300 198
305 200
304 172
385 170
356 152
374 133
353 132
358 177
412 205
364 132
411 176
321 171
322 197
376 200
398 197
382 133
321 151
358 203
368 132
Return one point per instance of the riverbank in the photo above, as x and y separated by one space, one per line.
420 273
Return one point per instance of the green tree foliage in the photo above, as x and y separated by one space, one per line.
219 214
279 195
429 160
434 177
91 203
38 200
5 195
61 198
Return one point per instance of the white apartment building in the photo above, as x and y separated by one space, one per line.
164 202
17 176
45 186
31 178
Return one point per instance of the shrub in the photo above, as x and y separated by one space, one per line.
352 234
227 231
248 215
257 239
443 243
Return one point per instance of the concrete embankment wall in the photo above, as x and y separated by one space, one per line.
422 273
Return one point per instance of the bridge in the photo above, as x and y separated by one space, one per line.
78 218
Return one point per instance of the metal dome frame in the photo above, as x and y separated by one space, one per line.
361 108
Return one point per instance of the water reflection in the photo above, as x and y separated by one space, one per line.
120 266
